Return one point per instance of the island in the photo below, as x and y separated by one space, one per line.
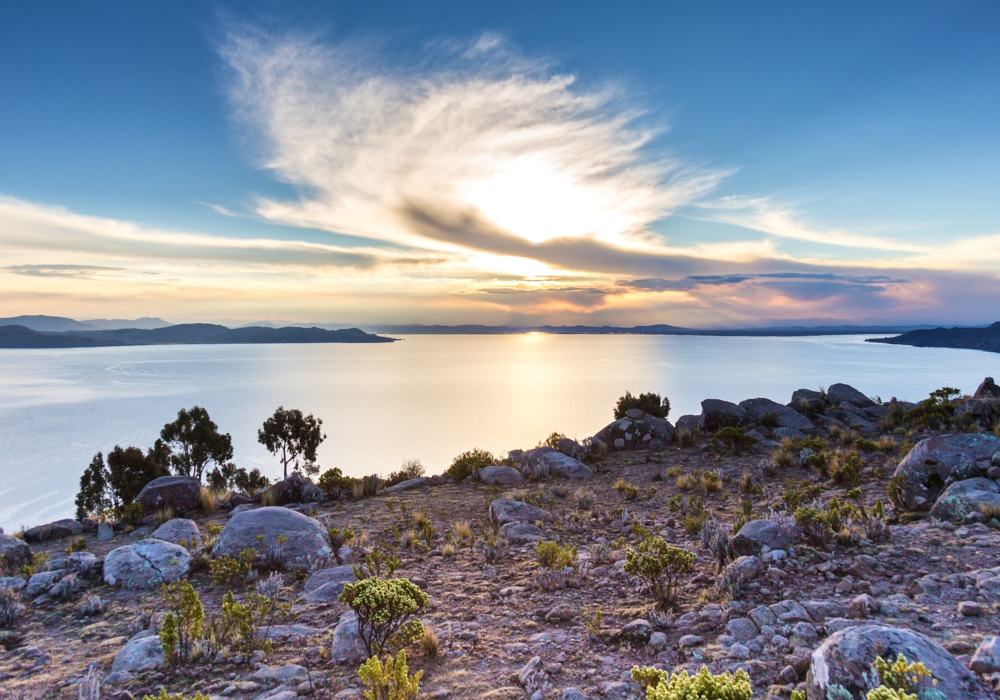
987 339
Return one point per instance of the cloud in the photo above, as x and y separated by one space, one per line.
63 270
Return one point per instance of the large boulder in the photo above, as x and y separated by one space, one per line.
414 483
964 498
936 461
143 652
807 401
179 531
846 659
716 414
181 493
689 422
53 531
785 417
347 645
985 411
500 476
294 489
507 510
636 431
988 390
306 538
559 464
987 656
146 564
14 551
757 534
839 393
326 586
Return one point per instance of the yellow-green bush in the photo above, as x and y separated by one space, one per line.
704 685
552 555
232 571
469 462
389 681
385 610
660 566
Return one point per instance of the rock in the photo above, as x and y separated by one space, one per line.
791 433
985 411
739 651
846 659
790 612
644 432
14 551
964 498
530 670
839 393
521 533
105 533
143 652
928 467
969 608
571 448
637 632
306 538
716 414
295 489
757 534
179 531
658 640
15 582
820 610
146 564
500 476
987 656
744 569
862 607
507 510
41 582
244 507
689 640
785 417
181 493
53 531
807 401
988 390
544 459
689 423
408 484
347 645
762 616
743 629
290 673
326 586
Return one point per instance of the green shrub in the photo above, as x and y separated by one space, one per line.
372 564
78 544
232 571
819 526
249 482
552 440
117 483
164 695
552 555
411 469
660 566
338 538
10 608
385 610
647 403
467 463
168 637
245 625
391 681
736 439
185 617
628 491
935 412
333 481
845 469
769 420
130 514
38 560
661 685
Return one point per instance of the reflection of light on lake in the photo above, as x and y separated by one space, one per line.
533 336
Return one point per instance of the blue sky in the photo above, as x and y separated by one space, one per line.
853 146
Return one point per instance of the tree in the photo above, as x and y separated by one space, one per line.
93 497
129 470
647 403
194 441
295 436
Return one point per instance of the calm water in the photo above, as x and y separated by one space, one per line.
428 397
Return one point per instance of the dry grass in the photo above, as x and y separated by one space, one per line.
207 500
268 498
166 514
429 644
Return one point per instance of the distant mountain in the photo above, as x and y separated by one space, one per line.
658 329
987 339
183 334
146 322
58 324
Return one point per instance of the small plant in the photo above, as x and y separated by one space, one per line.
749 485
169 637
338 538
385 610
166 513
410 469
232 570
38 561
467 463
429 644
186 616
686 482
685 437
78 544
552 440
736 439
448 550
92 606
463 533
584 499
10 608
391 681
819 526
164 695
845 468
272 557
206 499
660 566
130 514
492 546
647 403
715 539
593 619
333 482
661 685
744 516
375 562
886 444
552 555
895 489
628 491
711 482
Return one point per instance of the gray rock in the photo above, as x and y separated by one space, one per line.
105 533
290 673
14 551
53 531
745 569
408 484
838 393
790 612
929 466
306 538
143 652
244 507
42 582
762 616
739 651
988 390
689 423
146 564
987 656
716 414
571 448
572 694
500 476
689 640
637 632
507 510
963 498
743 629
557 464
179 531
985 411
658 640
347 645
786 417
15 582
326 586
791 433
295 489
821 610
758 534
521 533
846 659
181 493
807 400
642 433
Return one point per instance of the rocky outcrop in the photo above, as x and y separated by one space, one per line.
521 533
306 538
181 493
636 431
937 461
689 422
500 476
179 531
846 659
347 645
294 489
840 393
988 390
965 498
783 416
716 414
15 552
807 401
758 534
507 510
146 564
545 461
408 484
53 531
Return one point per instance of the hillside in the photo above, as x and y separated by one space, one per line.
987 339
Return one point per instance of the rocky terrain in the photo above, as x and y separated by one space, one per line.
825 532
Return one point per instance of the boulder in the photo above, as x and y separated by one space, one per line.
988 390
786 417
807 401
146 564
14 551
964 498
642 433
15 582
757 534
934 461
347 645
408 484
500 476
985 411
290 673
559 464
294 489
571 448
306 538
716 414
987 656
53 531
838 393
105 533
179 531
181 493
742 629
143 652
689 423
846 659
41 582
521 533
791 433
326 586
507 510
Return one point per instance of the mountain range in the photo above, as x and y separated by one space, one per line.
987 339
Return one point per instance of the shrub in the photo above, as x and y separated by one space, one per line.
647 403
660 566
126 515
166 513
552 555
333 481
38 560
467 463
78 544
894 490
899 679
661 685
711 482
685 437
385 610
935 412
186 616
736 439
819 526
372 564
370 485
429 644
391 681
411 469
552 440
338 538
232 571
250 482
628 491
175 696
715 539
584 499
117 483
845 469
463 533
10 608
593 620
245 624
169 637
492 547
783 457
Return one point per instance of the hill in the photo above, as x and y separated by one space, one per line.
987 339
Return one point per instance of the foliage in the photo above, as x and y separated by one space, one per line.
660 566
716 540
366 486
129 514
628 491
704 685
117 483
338 538
391 681
593 620
38 560
647 403
175 696
552 555
410 469
429 643
685 437
231 570
894 490
77 544
736 439
228 476
195 441
169 637
187 614
467 463
374 562
901 675
817 525
552 440
492 546
10 608
242 622
845 469
333 481
295 436
385 610
937 411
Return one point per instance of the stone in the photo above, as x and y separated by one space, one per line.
757 534
14 551
739 651
969 608
408 484
559 464
988 390
963 498
820 610
984 411
572 694
15 582
744 569
105 533
742 629
839 393
295 489
521 533
326 586
658 640
785 417
987 656
790 433
500 476
41 582
790 612
637 632
530 670
689 423
181 493
929 466
846 659
762 616
179 531
347 645
571 448
306 538
507 510
291 673
143 652
53 531
689 640
716 414
807 401
146 564
645 432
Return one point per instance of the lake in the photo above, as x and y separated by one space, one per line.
426 397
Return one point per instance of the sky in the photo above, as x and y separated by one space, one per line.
703 164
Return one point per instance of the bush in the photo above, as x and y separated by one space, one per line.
373 563
468 463
10 608
391 681
333 481
232 571
552 440
250 482
182 624
175 696
385 610
245 624
661 685
845 469
77 544
126 515
685 437
411 469
628 491
38 560
117 483
819 526
647 403
736 439
552 555
660 566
